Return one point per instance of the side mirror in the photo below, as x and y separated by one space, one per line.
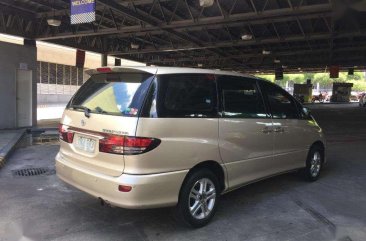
306 111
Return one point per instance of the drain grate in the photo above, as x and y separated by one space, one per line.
34 171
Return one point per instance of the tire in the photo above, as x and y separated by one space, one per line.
314 163
192 197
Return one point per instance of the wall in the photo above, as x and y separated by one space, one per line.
58 54
11 55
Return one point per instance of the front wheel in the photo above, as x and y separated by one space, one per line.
314 163
198 198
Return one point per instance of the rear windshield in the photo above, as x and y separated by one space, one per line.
119 94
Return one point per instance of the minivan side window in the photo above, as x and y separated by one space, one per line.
241 98
282 105
185 96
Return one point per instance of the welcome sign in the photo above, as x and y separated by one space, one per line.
82 11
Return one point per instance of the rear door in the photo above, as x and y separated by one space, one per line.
291 140
107 105
245 136
182 113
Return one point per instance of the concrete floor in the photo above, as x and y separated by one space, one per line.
281 208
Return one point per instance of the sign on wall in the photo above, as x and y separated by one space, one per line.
82 11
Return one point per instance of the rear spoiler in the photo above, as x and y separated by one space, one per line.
135 69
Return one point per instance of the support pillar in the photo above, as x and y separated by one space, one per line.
104 59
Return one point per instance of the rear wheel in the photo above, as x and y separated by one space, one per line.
314 163
198 198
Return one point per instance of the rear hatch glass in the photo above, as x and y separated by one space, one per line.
112 94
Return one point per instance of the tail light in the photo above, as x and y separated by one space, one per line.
127 145
104 70
65 134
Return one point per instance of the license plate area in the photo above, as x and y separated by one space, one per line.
85 144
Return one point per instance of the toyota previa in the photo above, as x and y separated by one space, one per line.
146 137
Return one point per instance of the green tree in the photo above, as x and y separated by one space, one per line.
358 85
324 80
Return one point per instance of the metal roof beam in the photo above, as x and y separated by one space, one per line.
235 19
10 9
258 41
250 55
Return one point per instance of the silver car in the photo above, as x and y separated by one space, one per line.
146 137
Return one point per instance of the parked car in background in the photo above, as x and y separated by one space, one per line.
362 100
317 98
353 98
327 98
321 97
147 137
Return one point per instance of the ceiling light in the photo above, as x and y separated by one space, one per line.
246 36
277 61
206 3
266 52
134 46
299 68
54 22
200 65
257 71
284 66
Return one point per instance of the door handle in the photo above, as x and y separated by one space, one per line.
267 130
279 130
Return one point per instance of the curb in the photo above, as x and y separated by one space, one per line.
331 103
7 150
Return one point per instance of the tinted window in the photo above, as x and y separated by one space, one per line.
185 95
303 112
241 98
282 105
113 94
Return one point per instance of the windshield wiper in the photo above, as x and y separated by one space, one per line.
100 110
80 107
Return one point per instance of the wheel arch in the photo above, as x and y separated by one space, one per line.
320 144
213 166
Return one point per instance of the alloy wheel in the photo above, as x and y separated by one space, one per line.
202 198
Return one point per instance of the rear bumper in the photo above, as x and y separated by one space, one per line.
148 191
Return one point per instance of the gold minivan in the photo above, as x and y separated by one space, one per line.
145 137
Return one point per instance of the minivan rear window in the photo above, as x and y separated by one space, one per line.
119 94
